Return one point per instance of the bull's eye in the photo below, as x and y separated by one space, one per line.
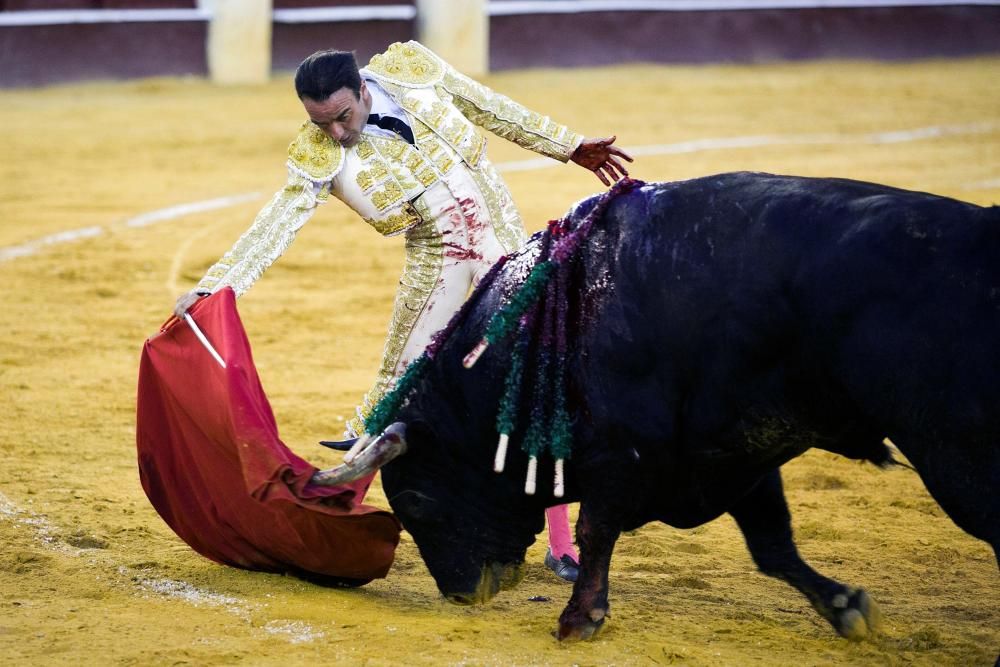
416 505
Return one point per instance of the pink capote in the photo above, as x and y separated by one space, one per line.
213 466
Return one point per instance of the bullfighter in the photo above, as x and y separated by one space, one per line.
396 141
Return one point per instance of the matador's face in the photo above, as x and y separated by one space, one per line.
342 115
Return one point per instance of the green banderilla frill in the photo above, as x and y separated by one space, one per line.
507 417
549 425
503 322
548 291
385 410
388 406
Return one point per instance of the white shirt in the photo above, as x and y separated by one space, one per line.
383 105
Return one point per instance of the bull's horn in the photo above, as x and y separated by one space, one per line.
389 445
356 448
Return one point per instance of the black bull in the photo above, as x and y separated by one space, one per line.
731 323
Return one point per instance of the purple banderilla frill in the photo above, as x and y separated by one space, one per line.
537 310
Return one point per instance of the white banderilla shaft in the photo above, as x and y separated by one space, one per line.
203 340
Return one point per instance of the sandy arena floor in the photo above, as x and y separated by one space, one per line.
90 575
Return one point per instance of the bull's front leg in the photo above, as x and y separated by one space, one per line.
597 530
763 517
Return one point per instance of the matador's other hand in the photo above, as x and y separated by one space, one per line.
601 157
185 301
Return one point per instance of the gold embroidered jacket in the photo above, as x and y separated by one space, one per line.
382 178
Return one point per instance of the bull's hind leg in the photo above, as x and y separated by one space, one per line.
766 524
963 478
597 530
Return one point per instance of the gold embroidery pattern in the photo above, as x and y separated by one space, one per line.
424 256
455 131
391 148
367 178
429 145
365 149
408 64
269 236
506 220
437 114
395 167
407 181
387 196
427 177
446 163
438 152
475 150
421 131
314 155
506 118
396 222
448 123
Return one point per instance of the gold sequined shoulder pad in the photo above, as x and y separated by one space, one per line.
315 155
409 64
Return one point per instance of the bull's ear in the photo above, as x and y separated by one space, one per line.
390 444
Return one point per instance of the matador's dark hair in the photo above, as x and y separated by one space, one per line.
325 72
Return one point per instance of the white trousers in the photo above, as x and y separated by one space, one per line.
446 256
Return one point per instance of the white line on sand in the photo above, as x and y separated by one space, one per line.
180 210
40 526
182 590
731 143
46 534
31 247
678 148
143 220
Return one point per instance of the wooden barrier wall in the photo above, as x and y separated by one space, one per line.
43 53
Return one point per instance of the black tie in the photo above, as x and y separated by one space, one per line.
393 125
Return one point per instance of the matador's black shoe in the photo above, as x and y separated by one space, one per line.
565 568
339 445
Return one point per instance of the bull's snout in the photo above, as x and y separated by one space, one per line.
495 577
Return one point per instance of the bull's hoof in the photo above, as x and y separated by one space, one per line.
854 614
572 629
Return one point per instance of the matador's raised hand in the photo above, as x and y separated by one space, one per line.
601 157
